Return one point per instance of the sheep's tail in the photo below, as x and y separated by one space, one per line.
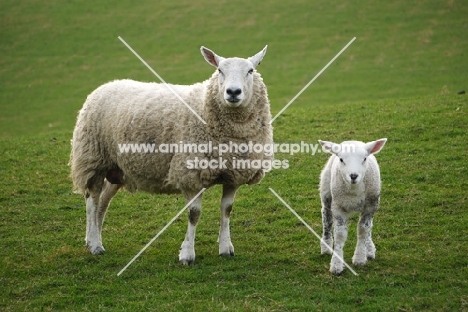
80 173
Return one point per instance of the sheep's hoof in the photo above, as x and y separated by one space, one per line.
227 254
336 270
99 250
359 260
359 263
324 249
371 255
226 250
336 266
187 254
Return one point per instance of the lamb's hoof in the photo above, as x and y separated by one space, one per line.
360 260
336 271
99 250
359 263
326 247
336 266
187 261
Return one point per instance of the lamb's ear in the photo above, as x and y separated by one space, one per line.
330 147
257 58
375 146
211 57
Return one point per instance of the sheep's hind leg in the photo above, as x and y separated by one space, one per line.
96 207
107 193
187 250
224 239
93 234
365 248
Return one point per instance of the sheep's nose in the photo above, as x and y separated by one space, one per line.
234 92
353 176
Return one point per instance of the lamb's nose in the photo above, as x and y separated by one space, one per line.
233 92
353 176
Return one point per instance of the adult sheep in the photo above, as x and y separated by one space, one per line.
349 183
233 102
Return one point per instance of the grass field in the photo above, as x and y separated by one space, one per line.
399 80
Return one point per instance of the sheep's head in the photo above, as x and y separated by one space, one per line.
353 157
235 78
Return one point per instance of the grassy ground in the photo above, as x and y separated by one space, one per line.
398 80
420 231
55 53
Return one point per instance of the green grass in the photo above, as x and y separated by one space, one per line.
55 53
398 80
420 230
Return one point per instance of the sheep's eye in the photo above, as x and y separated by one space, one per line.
251 71
365 158
219 71
342 161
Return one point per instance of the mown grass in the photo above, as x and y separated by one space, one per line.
397 80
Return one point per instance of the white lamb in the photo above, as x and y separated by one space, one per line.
349 183
233 102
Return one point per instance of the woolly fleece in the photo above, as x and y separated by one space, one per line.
127 111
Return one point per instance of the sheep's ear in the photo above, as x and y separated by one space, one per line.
211 57
257 58
329 147
375 146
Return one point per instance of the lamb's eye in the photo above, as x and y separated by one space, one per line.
251 71
342 161
219 71
365 158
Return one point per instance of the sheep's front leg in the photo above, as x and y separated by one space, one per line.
365 248
225 245
326 243
187 250
340 224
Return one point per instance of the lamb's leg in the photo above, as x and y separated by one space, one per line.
187 250
225 246
363 231
370 247
96 207
365 247
326 243
340 224
372 205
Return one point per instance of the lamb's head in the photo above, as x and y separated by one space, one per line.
353 157
235 76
